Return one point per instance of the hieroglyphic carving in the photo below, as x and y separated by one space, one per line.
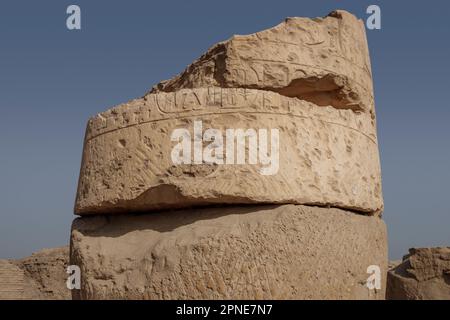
155 107
327 156
322 60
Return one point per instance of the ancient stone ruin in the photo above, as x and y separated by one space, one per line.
253 174
424 274
41 276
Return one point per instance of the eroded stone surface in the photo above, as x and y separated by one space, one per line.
424 274
41 276
322 60
308 78
327 156
255 252
11 281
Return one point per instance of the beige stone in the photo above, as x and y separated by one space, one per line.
393 264
254 252
11 281
327 156
322 60
424 274
41 276
311 80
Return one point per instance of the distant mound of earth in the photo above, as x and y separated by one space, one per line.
41 276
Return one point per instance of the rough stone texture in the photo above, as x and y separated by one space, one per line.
312 81
308 78
326 156
11 281
322 60
254 252
424 274
393 264
42 276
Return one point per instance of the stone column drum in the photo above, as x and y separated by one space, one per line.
297 216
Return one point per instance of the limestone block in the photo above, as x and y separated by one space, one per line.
326 156
322 60
424 274
253 252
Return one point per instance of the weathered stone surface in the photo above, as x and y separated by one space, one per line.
45 274
11 281
424 274
326 156
322 60
394 263
254 252
41 276
308 78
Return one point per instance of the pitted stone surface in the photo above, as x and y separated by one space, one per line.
255 252
45 274
424 274
309 230
327 156
322 60
308 78
41 276
11 281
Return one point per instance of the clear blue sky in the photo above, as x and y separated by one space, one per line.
52 80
